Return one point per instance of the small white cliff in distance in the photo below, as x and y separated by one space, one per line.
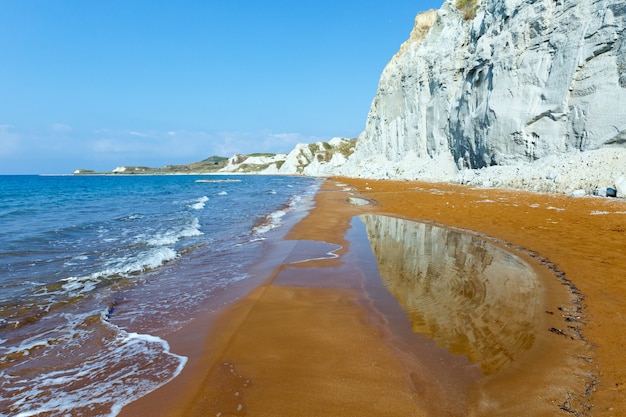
255 162
314 159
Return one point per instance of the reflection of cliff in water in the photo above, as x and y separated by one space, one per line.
468 295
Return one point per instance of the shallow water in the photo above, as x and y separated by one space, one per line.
469 295
95 271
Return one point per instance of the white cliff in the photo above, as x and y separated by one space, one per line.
318 159
315 159
253 163
520 83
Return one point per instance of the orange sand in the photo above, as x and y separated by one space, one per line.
297 347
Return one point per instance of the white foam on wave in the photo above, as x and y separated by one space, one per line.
271 221
80 284
173 236
295 201
131 217
128 266
158 252
222 193
274 219
163 240
68 328
26 346
151 260
199 204
127 367
192 230
254 240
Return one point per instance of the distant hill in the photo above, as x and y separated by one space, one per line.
314 159
211 164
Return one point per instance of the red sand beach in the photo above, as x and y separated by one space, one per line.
312 341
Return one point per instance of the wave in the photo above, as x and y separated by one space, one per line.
88 272
269 222
199 204
120 368
173 236
274 219
59 278
130 217
123 267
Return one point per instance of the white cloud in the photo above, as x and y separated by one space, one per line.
141 134
61 128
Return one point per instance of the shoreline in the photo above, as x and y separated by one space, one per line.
581 237
241 345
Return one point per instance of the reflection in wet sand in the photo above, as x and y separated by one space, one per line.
470 296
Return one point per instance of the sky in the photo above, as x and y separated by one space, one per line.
97 84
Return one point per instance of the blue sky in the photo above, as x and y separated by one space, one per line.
96 84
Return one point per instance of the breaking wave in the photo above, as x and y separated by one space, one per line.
103 369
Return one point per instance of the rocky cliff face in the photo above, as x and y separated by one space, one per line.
522 80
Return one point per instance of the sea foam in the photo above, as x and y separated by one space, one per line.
123 267
170 237
199 204
128 366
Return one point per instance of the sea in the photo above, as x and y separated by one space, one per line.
94 270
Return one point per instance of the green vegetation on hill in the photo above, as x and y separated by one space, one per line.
208 165
347 148
326 153
467 7
262 154
247 168
211 164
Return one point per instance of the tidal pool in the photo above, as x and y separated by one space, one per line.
468 295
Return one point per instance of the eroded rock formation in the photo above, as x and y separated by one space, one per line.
522 80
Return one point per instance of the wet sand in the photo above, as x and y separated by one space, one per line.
310 340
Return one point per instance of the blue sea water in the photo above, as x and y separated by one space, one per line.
94 268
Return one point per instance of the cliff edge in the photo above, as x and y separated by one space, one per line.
524 93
